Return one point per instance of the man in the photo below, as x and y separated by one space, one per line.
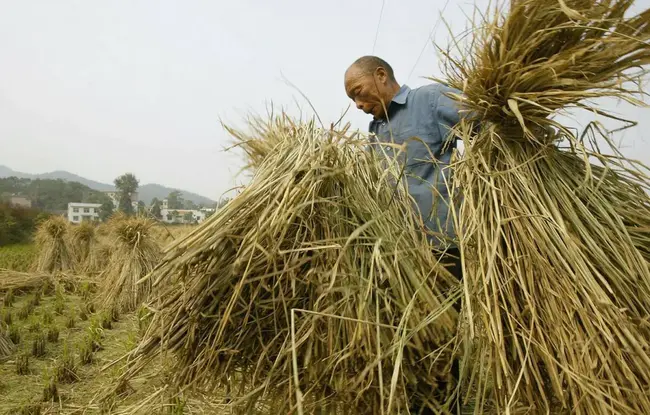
421 119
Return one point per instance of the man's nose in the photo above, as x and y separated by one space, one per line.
359 105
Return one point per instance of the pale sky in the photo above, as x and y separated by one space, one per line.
99 88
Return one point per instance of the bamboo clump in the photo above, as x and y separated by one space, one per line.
554 232
313 288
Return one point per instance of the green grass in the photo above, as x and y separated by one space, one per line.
17 257
88 345
21 390
92 342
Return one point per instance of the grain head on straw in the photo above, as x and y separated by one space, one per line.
554 231
54 249
313 288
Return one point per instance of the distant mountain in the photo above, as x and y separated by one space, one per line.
146 192
7 172
69 177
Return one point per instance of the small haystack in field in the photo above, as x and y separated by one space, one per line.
100 256
554 232
313 288
134 253
84 246
54 253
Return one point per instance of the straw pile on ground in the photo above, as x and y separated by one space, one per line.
6 346
313 288
555 248
53 246
22 281
134 254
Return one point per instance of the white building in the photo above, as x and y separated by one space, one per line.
182 216
79 212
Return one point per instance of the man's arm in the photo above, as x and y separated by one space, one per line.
447 111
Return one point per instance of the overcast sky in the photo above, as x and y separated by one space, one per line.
99 88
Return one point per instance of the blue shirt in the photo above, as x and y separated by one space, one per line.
425 114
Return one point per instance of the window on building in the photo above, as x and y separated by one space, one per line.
86 210
75 210
75 218
169 217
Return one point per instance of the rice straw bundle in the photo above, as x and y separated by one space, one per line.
134 254
100 256
103 229
313 287
54 249
19 281
83 242
555 248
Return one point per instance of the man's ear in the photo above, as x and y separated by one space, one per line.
381 76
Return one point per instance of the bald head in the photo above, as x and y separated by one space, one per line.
368 65
370 82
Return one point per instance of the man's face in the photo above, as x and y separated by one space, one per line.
366 90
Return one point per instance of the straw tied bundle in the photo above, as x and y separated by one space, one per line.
22 281
134 253
54 248
555 248
84 246
311 288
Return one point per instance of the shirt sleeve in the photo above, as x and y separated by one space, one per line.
447 112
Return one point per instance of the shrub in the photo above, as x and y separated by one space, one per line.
14 334
66 369
38 345
22 364
70 321
51 390
53 334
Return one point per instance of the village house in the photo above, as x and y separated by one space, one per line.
80 212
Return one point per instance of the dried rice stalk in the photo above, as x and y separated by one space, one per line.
313 288
6 345
19 281
555 248
84 244
54 249
134 254
99 257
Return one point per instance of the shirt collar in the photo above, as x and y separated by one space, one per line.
400 97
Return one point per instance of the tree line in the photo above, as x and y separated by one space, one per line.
53 195
50 194
17 224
